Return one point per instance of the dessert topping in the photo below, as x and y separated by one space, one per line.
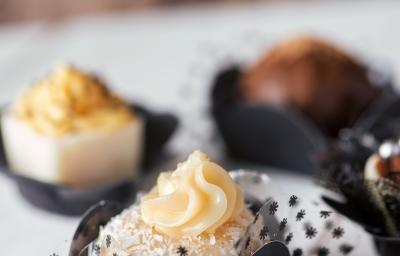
197 197
70 101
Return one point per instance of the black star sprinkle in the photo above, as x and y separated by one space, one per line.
297 252
300 215
282 224
273 208
293 201
346 249
323 251
325 214
311 232
337 232
264 233
182 251
108 241
115 254
289 238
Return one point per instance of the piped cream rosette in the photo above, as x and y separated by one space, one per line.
197 197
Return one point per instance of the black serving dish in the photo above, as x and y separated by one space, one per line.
74 201
277 137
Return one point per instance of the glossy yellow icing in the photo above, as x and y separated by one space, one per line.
197 197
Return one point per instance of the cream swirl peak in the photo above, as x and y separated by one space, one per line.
197 197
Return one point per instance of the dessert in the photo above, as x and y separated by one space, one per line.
385 163
196 209
382 175
68 128
313 77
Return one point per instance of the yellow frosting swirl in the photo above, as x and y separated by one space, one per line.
197 197
70 101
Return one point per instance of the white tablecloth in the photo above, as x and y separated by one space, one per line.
166 59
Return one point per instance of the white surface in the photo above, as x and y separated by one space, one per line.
166 59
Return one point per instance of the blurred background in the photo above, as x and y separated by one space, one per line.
20 10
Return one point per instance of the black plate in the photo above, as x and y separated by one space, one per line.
281 138
72 201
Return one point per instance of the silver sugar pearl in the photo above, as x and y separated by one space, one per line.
388 149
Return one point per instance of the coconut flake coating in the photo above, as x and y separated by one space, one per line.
128 235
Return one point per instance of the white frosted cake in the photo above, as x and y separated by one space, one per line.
195 210
69 129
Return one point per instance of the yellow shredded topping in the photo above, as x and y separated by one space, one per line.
70 101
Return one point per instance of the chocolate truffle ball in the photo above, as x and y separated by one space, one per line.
314 78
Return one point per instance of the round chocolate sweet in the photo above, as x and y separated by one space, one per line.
313 77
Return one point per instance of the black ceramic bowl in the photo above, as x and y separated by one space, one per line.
74 201
276 137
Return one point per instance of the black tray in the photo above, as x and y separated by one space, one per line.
281 138
72 201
